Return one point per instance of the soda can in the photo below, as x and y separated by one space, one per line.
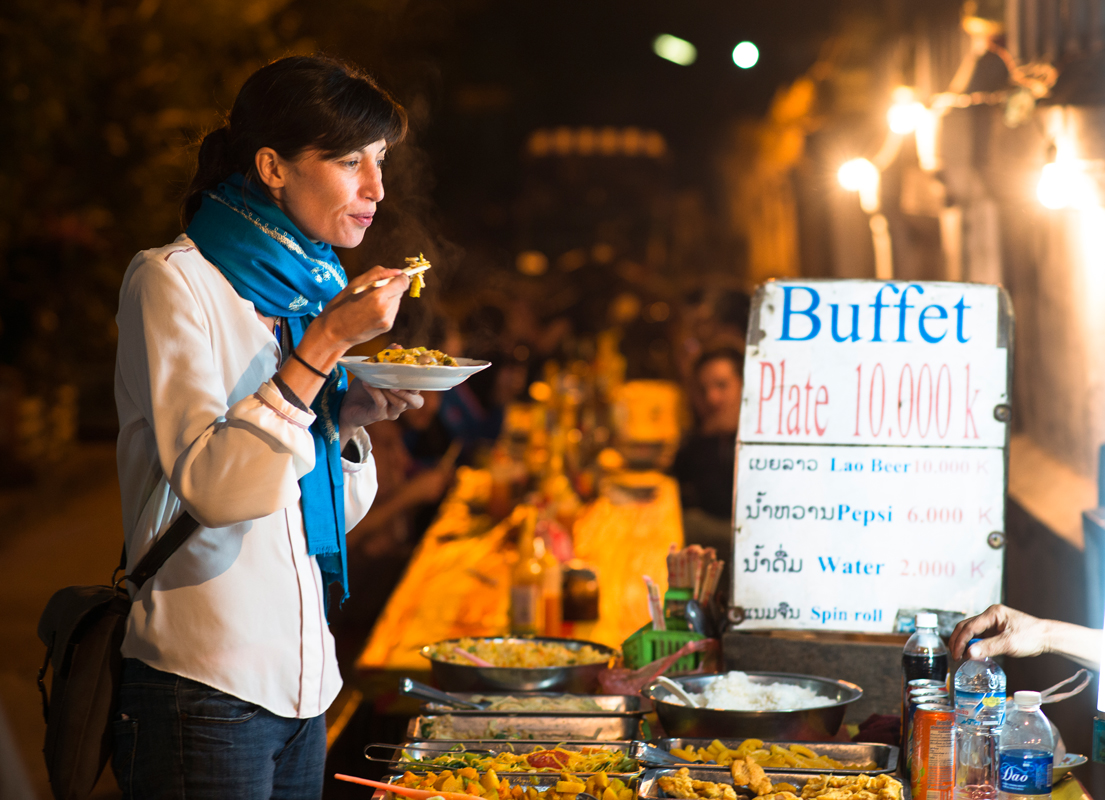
926 683
932 776
908 704
917 697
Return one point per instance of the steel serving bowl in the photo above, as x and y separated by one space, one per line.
576 679
807 724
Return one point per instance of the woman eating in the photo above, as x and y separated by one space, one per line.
233 409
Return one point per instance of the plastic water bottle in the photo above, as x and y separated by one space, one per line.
980 691
979 711
1026 749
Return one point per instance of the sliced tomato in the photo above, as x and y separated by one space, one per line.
548 759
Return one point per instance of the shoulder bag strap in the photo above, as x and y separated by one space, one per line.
164 547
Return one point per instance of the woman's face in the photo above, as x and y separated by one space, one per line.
331 200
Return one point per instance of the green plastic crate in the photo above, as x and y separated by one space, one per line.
647 645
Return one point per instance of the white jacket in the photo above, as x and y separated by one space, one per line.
240 605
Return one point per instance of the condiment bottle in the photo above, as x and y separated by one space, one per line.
527 583
552 591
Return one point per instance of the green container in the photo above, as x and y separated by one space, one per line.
647 645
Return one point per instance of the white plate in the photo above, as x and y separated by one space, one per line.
415 377
1069 762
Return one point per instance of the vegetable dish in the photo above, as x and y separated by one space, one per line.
491 787
557 759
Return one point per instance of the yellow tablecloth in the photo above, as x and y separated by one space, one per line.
458 581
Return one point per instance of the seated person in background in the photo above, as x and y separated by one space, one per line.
1006 631
705 462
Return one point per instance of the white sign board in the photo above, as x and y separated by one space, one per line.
871 453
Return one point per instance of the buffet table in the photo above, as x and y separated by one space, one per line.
458 580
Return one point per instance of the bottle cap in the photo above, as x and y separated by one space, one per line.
1027 699
927 620
973 641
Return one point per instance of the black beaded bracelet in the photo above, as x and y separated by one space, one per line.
313 369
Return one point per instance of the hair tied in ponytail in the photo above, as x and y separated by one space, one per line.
214 149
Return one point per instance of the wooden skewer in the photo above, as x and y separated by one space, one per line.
408 271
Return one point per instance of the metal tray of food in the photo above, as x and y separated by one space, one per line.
539 728
425 751
883 756
608 705
542 782
464 677
649 786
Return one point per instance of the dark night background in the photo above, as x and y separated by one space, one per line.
103 104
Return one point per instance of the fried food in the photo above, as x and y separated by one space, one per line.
746 772
418 280
683 786
852 787
415 355
778 796
794 757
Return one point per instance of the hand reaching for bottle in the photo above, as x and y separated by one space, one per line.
1006 631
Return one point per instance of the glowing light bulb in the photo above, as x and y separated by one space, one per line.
906 114
1065 184
860 175
746 55
857 175
673 49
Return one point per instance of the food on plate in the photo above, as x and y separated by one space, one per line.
682 785
735 691
517 653
418 280
852 787
490 786
796 756
747 772
414 355
557 759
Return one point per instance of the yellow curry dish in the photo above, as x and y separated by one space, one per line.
774 756
516 653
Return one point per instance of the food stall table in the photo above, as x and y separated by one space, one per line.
458 580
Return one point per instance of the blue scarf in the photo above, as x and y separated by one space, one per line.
269 262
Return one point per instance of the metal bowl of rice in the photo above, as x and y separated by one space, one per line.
779 706
577 678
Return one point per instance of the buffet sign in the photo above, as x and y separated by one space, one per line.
871 468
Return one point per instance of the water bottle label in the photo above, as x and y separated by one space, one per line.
1024 772
979 705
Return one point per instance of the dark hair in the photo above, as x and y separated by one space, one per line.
290 105
730 354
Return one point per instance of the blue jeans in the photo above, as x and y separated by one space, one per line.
176 738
